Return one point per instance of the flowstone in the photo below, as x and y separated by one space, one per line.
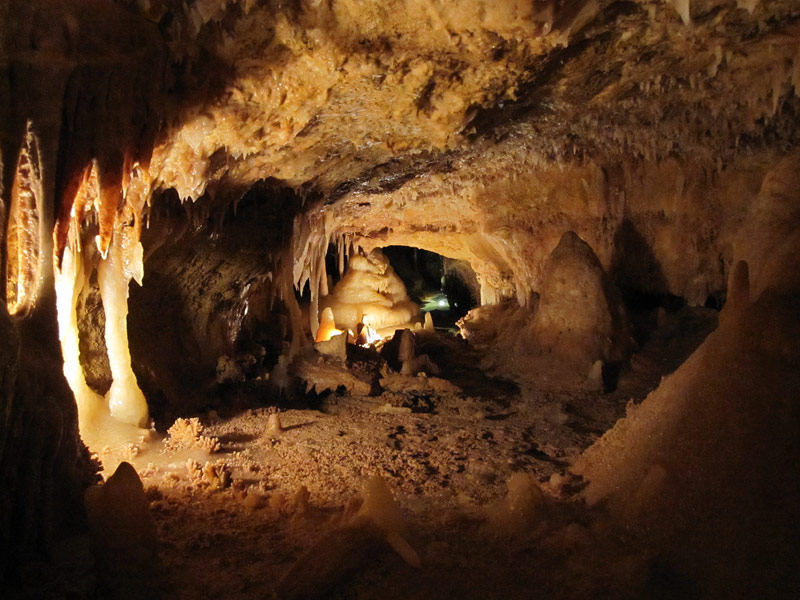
370 292
564 342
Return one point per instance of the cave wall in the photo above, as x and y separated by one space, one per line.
214 289
44 466
657 227
702 469
54 96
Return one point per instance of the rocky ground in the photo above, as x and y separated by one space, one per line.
248 504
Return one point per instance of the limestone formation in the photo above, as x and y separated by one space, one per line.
771 221
371 293
123 532
577 326
580 318
729 407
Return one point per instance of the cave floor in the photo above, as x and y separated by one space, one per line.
446 451
233 521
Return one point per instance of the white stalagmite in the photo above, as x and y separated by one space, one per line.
125 400
69 281
371 293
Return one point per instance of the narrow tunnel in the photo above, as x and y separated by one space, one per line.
399 299
446 288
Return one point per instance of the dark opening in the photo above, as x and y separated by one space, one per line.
445 287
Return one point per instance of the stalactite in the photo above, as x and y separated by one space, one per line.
299 252
70 270
313 312
285 287
748 5
323 272
341 249
109 201
138 192
79 195
123 262
313 235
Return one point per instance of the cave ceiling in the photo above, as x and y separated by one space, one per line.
330 97
325 95
393 122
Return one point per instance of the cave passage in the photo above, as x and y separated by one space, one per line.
444 287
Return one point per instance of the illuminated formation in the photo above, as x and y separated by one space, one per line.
117 255
370 292
124 262
25 230
69 280
327 326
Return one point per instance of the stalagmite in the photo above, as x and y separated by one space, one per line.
521 508
380 506
124 261
371 293
580 318
123 534
274 427
327 326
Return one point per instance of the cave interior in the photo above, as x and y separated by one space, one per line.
399 299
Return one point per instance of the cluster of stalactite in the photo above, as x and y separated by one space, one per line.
116 253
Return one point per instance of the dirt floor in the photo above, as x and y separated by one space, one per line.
246 508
